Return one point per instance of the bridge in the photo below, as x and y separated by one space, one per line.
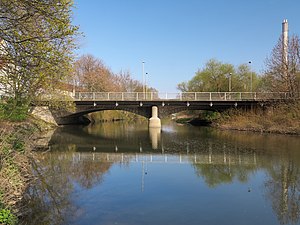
154 105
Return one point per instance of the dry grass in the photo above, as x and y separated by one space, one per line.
15 168
283 118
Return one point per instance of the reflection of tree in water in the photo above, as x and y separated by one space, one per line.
89 173
283 190
49 197
215 175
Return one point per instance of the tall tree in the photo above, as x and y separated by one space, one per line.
281 72
36 48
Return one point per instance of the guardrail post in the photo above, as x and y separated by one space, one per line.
195 96
122 96
108 96
79 96
210 96
225 96
137 96
151 96
166 95
240 95
93 95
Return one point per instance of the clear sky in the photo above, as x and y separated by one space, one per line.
177 37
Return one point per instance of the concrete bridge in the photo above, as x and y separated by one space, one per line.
155 105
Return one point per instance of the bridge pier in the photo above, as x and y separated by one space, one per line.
154 121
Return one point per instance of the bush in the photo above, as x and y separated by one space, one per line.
7 217
281 118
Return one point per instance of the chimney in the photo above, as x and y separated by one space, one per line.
285 38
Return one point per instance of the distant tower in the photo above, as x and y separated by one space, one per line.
285 38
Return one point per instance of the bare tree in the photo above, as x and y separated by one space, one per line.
93 75
127 84
281 74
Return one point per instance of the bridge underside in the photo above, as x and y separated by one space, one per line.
165 108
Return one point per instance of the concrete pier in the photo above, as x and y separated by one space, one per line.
154 121
154 133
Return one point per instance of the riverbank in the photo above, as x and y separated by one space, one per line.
280 119
17 139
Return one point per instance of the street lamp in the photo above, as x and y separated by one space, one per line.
251 77
229 82
143 78
146 84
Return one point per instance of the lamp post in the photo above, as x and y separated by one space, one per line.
143 78
146 84
229 82
251 77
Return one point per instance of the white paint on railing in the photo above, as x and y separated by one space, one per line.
204 158
182 96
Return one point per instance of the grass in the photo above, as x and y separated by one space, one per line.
16 141
11 111
7 217
15 168
282 118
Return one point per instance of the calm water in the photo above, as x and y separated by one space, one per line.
125 174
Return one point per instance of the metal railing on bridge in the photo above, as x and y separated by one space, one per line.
204 158
184 96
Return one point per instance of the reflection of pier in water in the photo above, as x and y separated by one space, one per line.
198 158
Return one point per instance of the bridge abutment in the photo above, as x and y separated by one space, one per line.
154 121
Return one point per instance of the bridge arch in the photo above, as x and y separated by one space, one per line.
145 112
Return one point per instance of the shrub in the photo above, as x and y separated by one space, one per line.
7 217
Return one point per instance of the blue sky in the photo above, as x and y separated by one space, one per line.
177 37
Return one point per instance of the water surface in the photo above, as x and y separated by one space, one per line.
124 173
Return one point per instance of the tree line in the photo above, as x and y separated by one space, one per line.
280 75
91 74
37 43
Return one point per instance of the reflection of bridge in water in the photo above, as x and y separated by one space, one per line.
198 158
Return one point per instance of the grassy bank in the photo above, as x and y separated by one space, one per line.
282 118
16 144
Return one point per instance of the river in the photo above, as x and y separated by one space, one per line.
123 173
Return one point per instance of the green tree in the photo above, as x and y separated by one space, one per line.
36 48
221 77
245 78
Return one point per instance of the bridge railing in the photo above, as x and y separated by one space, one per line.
183 96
